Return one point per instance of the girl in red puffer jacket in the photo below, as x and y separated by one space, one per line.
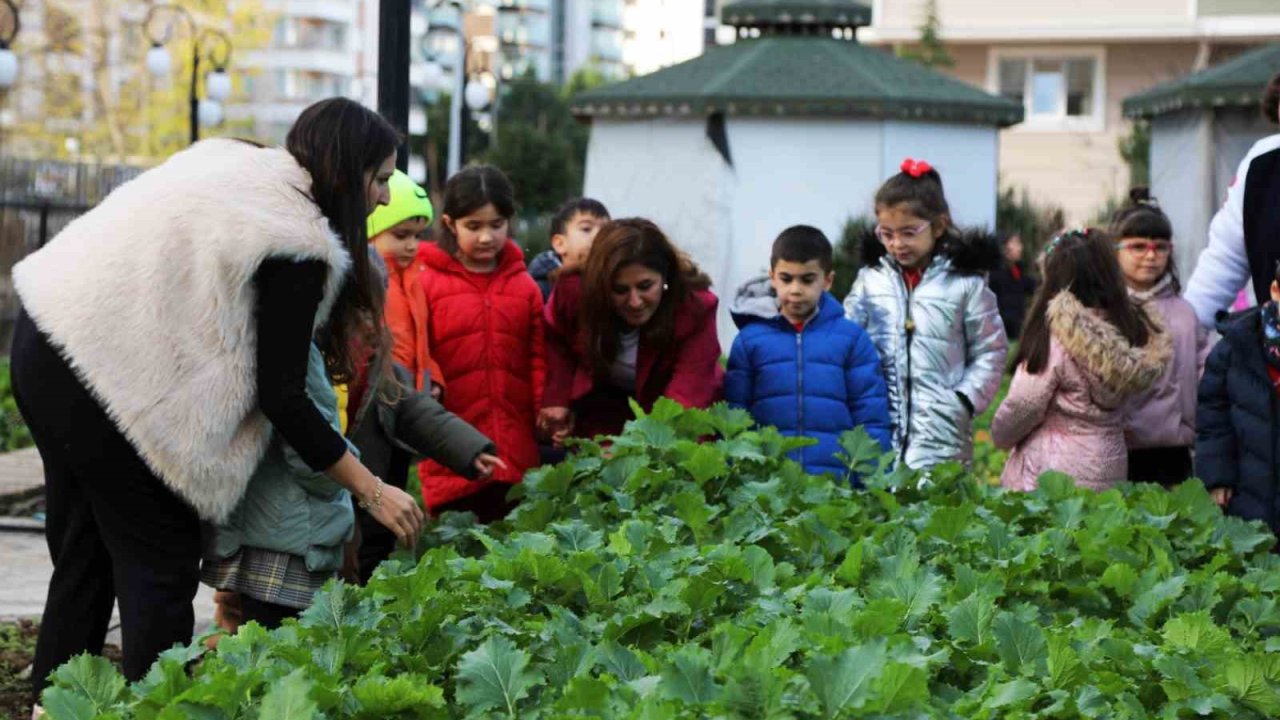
484 321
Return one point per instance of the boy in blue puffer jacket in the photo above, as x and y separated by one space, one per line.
798 363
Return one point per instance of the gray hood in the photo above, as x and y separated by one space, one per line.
754 301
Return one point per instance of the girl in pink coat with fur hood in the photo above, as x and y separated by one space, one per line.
1086 348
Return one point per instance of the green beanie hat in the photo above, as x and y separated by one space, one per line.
408 200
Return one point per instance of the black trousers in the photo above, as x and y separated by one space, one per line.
268 615
115 531
1167 466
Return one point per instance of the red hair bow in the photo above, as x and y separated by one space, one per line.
915 168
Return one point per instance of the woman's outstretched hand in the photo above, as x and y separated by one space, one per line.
398 512
394 508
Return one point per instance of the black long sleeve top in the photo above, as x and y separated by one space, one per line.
289 293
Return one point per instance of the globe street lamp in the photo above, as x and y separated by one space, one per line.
477 95
208 41
8 60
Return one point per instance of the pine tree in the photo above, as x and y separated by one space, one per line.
930 52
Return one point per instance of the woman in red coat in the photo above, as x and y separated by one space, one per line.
638 322
484 328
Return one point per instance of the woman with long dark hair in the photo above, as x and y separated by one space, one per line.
1086 347
639 321
165 336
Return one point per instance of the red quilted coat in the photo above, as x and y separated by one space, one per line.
690 373
485 331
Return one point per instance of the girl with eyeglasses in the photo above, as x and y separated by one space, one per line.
1160 424
923 298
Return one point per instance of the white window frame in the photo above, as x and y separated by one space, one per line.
1096 122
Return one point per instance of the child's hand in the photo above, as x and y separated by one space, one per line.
227 611
556 423
558 438
1222 496
486 465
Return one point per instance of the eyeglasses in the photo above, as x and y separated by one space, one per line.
905 235
1159 248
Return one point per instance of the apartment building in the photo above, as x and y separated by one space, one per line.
314 53
1071 63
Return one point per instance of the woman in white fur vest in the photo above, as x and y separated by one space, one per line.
164 337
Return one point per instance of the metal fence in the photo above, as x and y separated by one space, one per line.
37 199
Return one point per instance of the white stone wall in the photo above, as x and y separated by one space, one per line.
787 171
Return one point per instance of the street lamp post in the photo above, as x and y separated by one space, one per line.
459 86
8 60
473 95
217 85
393 69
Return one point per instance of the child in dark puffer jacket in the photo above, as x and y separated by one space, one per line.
1237 426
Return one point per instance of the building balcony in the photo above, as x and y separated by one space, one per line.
310 34
516 66
334 62
333 10
524 30
607 13
606 45
543 6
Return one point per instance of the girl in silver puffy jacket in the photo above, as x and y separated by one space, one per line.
922 296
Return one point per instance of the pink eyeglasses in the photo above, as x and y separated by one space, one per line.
1160 248
905 235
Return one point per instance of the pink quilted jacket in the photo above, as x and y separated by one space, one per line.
1069 417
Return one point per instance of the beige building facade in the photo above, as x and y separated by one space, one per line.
1071 63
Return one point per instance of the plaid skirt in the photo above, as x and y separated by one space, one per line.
266 575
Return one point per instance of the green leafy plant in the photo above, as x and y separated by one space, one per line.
688 569
1135 148
1017 213
14 434
847 254
988 460
930 51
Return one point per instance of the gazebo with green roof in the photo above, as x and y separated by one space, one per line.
795 122
1202 125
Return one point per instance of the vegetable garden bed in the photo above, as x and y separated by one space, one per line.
674 578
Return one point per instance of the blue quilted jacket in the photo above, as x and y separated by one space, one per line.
819 382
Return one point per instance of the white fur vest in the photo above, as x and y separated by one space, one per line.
150 297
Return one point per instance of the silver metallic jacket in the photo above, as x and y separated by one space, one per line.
943 338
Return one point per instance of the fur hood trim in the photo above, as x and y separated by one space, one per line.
972 251
150 298
1099 348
